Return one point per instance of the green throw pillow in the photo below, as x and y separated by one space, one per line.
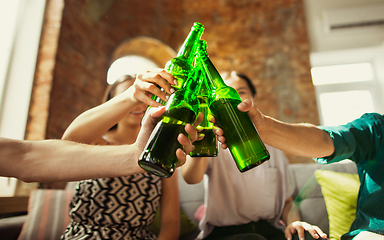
186 225
340 195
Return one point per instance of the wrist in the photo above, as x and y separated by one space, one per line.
126 99
131 156
263 126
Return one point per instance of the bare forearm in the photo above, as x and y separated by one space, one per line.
290 212
169 231
194 169
92 124
170 209
58 160
299 139
295 225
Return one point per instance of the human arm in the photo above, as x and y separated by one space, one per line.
170 209
60 160
89 126
298 139
194 169
291 216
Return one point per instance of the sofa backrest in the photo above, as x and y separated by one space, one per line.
191 196
308 192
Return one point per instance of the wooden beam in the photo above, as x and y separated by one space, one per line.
13 204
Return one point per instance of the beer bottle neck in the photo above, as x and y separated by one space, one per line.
205 90
181 66
216 84
213 77
194 81
188 49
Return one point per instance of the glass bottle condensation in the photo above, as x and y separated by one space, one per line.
240 134
182 64
159 155
208 146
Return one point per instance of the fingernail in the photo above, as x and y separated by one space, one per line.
175 82
288 239
167 97
201 135
301 238
172 90
317 235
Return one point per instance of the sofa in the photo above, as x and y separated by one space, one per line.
307 194
308 197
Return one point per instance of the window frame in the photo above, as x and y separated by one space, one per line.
350 56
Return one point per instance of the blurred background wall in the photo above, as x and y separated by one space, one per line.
267 40
276 43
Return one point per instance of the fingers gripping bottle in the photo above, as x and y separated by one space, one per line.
182 64
207 147
159 155
240 134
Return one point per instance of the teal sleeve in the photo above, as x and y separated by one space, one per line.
357 140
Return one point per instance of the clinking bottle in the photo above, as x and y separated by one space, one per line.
182 65
159 155
240 134
208 146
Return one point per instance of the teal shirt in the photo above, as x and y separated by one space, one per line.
362 141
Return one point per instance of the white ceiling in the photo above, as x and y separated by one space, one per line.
319 11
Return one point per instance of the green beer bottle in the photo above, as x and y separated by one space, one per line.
207 147
240 134
159 155
182 64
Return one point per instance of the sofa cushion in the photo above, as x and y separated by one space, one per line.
307 194
340 194
10 227
191 197
47 214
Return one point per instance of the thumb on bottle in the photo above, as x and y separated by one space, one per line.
156 112
245 105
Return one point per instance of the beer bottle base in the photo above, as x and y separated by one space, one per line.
246 168
155 169
204 155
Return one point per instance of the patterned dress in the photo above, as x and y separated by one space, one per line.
114 208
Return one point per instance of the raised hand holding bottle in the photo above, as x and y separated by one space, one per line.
159 155
182 65
240 134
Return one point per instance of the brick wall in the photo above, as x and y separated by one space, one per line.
265 39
